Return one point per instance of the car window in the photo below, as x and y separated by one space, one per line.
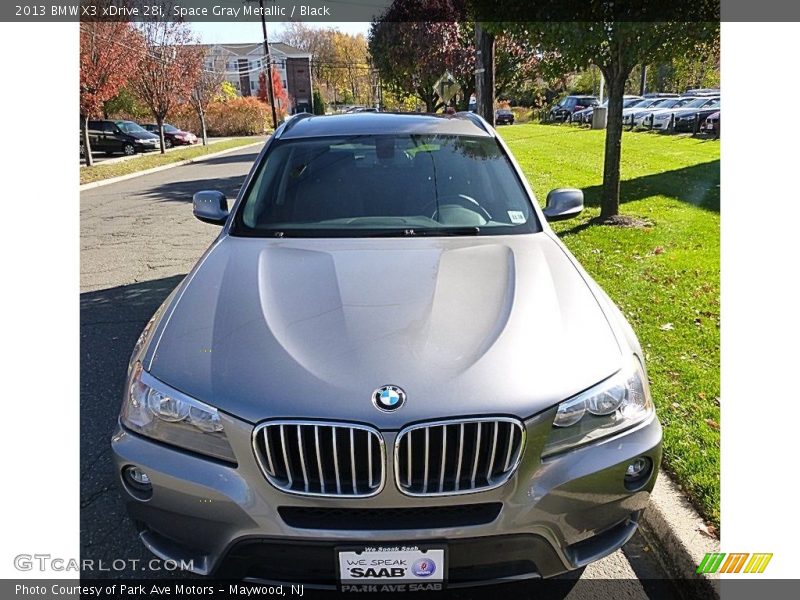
374 185
109 127
696 103
170 128
129 127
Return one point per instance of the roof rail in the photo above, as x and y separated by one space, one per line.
291 122
476 119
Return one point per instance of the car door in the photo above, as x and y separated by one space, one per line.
96 135
111 142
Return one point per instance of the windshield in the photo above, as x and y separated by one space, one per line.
627 102
130 127
696 103
170 129
385 185
672 103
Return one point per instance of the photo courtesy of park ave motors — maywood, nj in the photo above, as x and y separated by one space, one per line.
418 320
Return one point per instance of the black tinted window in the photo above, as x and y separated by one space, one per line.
365 185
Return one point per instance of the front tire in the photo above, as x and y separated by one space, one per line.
128 149
167 143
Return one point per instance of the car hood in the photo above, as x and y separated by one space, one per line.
310 328
143 135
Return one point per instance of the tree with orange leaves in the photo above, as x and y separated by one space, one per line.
109 54
169 71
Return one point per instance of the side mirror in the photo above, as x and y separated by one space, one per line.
563 203
210 207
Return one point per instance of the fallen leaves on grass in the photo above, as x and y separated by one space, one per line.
708 530
667 327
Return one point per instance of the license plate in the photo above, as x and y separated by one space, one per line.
401 568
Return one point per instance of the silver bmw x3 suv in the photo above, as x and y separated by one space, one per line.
387 369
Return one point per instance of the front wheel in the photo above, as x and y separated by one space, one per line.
167 143
129 149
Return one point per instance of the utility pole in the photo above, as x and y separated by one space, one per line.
269 67
484 73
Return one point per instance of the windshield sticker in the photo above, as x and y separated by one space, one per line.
516 217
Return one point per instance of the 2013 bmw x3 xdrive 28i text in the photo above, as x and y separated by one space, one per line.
387 368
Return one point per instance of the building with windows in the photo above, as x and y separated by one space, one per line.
242 64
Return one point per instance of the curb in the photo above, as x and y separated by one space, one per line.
675 532
180 163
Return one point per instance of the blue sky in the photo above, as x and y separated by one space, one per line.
245 32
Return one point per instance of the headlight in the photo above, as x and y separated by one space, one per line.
609 407
152 409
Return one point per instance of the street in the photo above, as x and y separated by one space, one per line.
138 239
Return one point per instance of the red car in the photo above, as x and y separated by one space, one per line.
172 135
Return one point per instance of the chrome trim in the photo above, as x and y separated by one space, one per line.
508 472
282 424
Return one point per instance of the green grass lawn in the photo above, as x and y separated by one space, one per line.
665 277
156 159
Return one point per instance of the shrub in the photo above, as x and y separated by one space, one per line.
522 114
236 116
319 103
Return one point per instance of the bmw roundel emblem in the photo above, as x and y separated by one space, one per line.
388 398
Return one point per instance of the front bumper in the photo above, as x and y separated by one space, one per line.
552 516
144 146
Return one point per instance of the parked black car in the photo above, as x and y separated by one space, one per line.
503 116
571 104
120 136
689 120
172 135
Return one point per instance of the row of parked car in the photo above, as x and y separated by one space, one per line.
127 137
696 111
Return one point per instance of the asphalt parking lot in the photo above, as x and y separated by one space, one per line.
138 239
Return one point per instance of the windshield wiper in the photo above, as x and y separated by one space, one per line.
291 232
423 231
473 230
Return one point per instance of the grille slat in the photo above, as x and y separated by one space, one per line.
484 454
286 463
321 459
302 457
444 459
336 463
489 469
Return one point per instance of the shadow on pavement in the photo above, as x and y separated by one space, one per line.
182 191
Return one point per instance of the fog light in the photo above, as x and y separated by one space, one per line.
137 482
638 472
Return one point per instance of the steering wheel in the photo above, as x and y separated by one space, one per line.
467 202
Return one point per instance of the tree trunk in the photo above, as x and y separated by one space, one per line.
87 149
610 201
160 121
643 81
484 73
202 115
428 97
